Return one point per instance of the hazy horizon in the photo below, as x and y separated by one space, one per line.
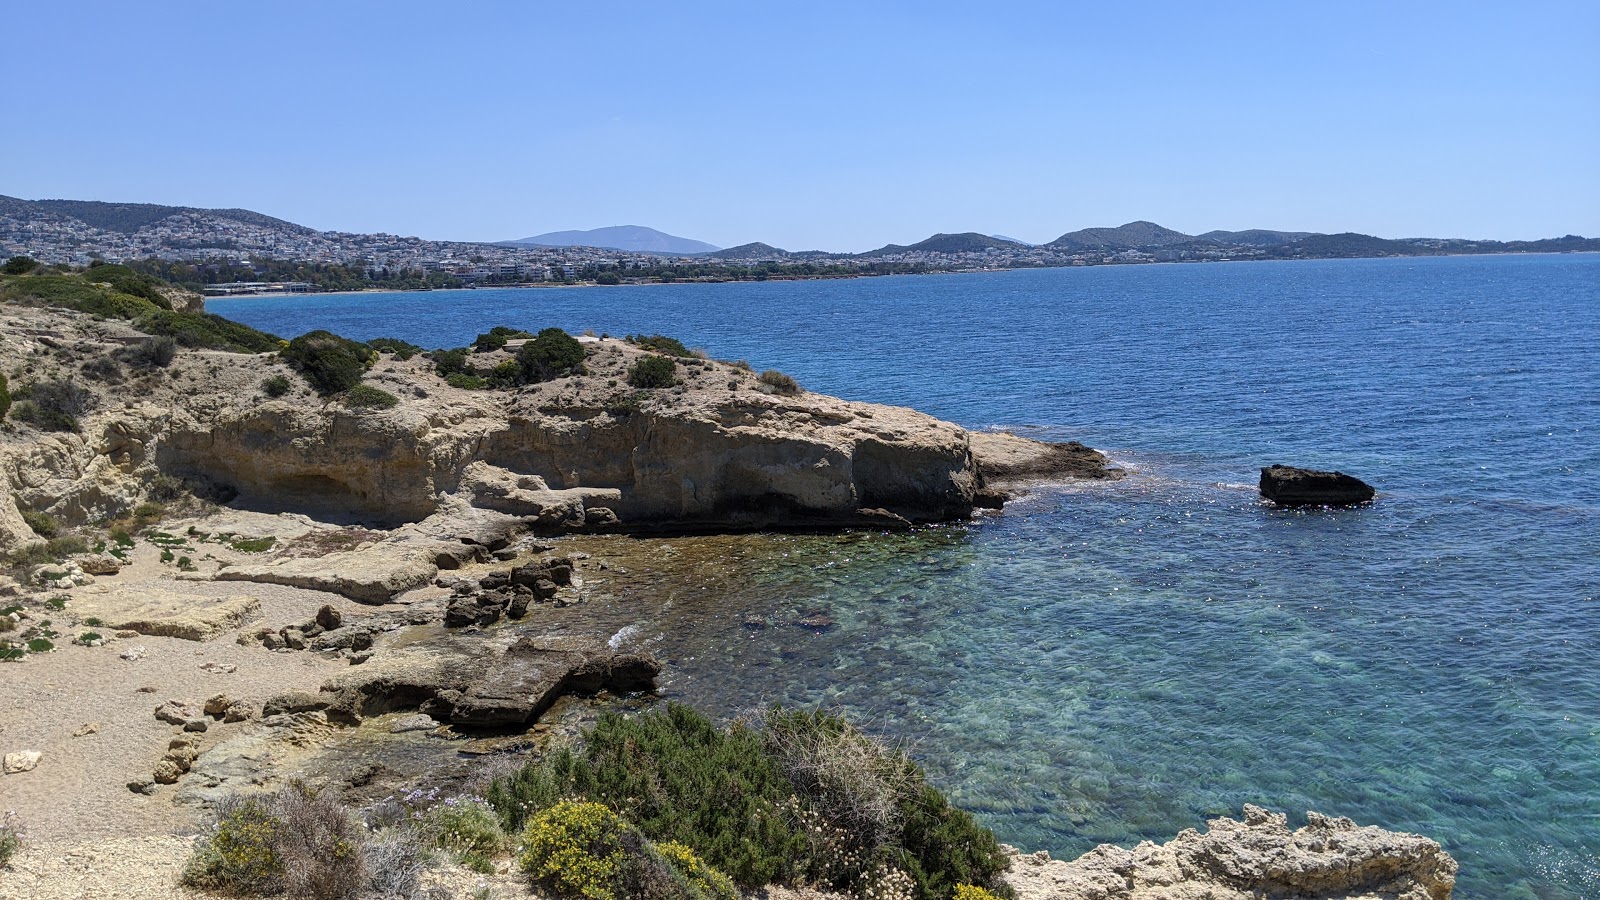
842 129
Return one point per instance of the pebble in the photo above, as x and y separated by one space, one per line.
21 761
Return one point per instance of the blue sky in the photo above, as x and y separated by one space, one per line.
817 125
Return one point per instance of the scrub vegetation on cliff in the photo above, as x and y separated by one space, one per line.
663 805
792 797
150 305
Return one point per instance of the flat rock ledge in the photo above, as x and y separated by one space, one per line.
1291 486
1004 459
1329 859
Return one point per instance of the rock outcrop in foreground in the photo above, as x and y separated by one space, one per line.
1328 859
1289 486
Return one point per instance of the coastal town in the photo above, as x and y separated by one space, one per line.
230 251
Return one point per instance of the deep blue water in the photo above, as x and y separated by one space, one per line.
1117 663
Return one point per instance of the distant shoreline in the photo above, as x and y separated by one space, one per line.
642 284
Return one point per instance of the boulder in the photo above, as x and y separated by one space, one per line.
177 712
1328 859
217 706
329 618
1290 486
475 609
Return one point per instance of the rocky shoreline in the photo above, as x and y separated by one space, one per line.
393 597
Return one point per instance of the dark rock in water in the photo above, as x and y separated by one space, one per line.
1289 486
477 609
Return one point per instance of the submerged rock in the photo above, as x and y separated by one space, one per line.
1329 859
1289 486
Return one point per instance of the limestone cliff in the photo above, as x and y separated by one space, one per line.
716 450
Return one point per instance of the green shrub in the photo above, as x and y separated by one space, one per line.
11 831
653 372
551 354
5 396
276 385
53 405
330 363
125 280
156 352
297 841
42 523
465 382
660 343
800 796
206 331
778 382
89 637
40 645
365 396
452 362
466 828
496 337
677 777
19 265
401 350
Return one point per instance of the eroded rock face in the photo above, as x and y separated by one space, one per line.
470 682
1328 859
1289 486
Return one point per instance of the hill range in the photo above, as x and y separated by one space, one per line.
147 229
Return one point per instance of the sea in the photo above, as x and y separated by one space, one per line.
1115 662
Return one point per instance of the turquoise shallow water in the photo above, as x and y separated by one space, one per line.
1117 663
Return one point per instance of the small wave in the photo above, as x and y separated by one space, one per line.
627 634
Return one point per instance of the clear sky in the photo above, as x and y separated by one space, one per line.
817 125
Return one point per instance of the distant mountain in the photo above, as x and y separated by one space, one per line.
634 238
1255 237
1132 236
1010 240
127 218
751 252
966 242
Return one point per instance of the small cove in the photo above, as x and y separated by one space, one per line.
1118 662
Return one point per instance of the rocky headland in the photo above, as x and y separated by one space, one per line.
381 597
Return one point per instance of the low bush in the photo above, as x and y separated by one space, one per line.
102 368
575 849
452 362
778 383
653 372
206 331
401 350
794 797
467 829
496 337
551 354
365 396
330 363
660 343
297 841
53 405
465 381
42 523
276 385
5 396
11 831
155 352
19 265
